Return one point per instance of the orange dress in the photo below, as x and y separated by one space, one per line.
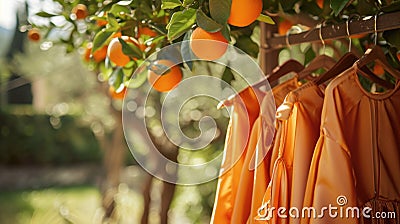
356 160
299 121
245 111
261 160
234 190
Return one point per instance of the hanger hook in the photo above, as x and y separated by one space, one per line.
321 38
293 29
287 37
348 32
375 29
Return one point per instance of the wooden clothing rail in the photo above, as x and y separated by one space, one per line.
364 25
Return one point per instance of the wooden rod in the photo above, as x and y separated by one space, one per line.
365 25
268 59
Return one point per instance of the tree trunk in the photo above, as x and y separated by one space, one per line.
113 163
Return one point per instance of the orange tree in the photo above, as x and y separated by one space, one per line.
147 25
132 30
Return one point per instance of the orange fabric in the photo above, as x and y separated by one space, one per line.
262 153
233 202
244 113
299 120
358 152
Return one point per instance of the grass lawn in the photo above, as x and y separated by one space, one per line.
54 205
82 205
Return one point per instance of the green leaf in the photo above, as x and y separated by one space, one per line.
130 49
112 21
129 71
101 39
116 78
247 45
117 9
154 40
226 32
180 22
338 5
265 19
45 14
138 78
206 23
392 37
228 76
220 10
170 4
62 2
186 51
187 2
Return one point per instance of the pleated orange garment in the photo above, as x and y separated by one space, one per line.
228 195
264 126
261 161
299 121
356 160
244 113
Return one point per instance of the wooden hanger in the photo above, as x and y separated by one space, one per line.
284 69
376 54
344 63
321 61
280 71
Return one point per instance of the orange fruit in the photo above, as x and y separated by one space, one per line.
117 94
244 12
101 22
320 3
208 46
98 56
80 11
284 26
34 35
378 69
118 34
86 55
166 81
115 53
398 56
144 30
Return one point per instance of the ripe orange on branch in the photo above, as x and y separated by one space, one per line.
284 26
320 3
117 94
378 70
168 79
115 53
244 12
144 30
80 11
101 22
98 56
34 35
208 46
